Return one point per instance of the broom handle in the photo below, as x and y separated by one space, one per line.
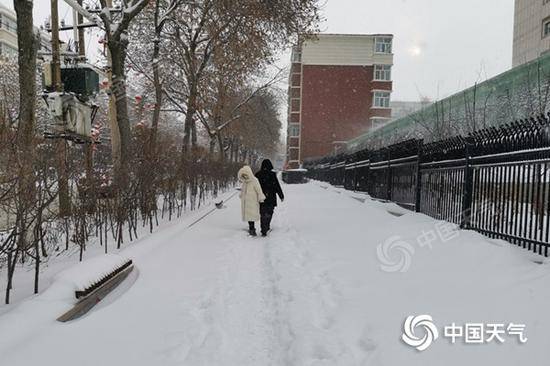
209 212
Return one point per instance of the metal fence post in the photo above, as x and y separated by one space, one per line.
367 180
464 179
354 176
390 178
467 193
418 192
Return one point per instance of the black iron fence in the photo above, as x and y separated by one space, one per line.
495 181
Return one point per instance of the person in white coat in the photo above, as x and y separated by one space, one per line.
251 195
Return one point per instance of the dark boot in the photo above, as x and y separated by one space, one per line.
252 229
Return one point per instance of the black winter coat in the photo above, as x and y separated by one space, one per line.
270 184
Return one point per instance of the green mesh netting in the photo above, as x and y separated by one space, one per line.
516 94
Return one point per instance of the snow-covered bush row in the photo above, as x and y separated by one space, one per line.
101 213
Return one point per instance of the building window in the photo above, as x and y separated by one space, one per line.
377 122
7 51
545 27
294 130
294 154
381 99
296 55
295 105
295 80
7 24
382 72
382 44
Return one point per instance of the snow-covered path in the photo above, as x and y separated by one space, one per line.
312 293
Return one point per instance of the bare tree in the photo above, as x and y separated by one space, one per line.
207 29
116 28
28 46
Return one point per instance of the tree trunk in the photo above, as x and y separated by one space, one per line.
27 43
63 179
113 125
36 263
193 135
12 261
220 144
118 57
189 118
88 148
212 147
156 82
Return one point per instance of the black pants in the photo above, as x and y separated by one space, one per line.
266 214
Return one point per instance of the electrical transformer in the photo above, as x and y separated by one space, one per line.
72 119
71 110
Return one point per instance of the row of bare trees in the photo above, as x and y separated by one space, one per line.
192 95
211 58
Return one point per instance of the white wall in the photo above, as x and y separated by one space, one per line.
353 50
528 22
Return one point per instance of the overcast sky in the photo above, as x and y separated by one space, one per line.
441 46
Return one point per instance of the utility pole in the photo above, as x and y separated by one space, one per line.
76 38
64 198
88 147
81 41
56 58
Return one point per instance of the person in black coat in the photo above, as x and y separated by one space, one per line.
272 189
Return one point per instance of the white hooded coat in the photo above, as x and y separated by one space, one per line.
251 194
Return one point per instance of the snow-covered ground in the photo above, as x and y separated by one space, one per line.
332 285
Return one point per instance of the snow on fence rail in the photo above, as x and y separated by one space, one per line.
495 181
92 280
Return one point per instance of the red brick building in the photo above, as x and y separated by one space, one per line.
339 88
